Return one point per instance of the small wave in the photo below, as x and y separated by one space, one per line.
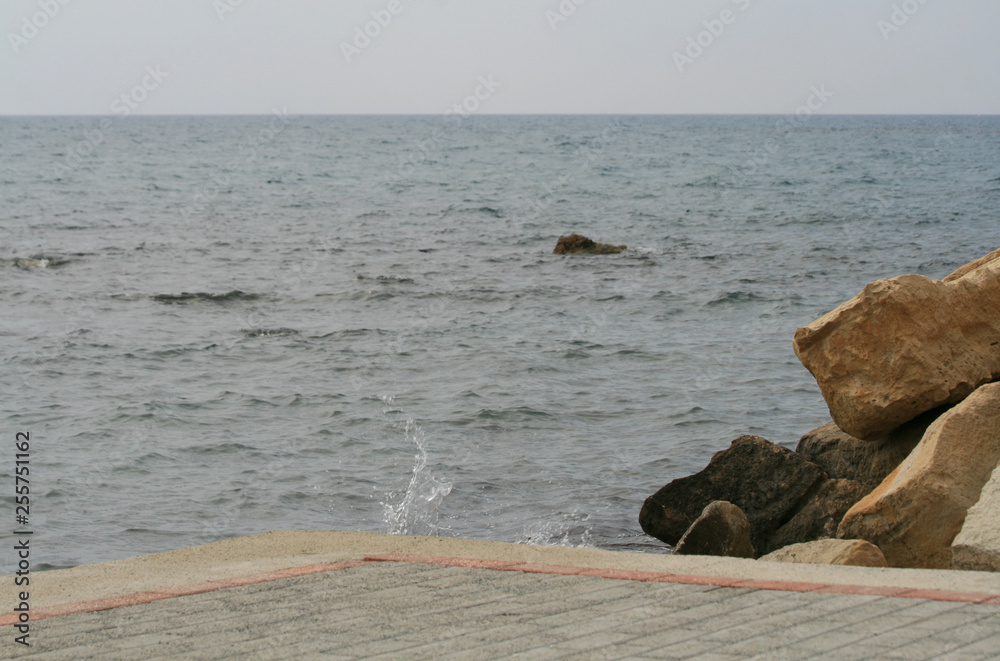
270 332
39 261
735 297
388 279
372 214
191 297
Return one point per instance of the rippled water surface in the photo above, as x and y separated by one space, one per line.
220 326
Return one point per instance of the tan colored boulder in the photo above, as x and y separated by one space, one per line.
914 515
977 546
972 266
856 552
905 346
722 529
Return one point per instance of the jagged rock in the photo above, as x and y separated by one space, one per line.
977 546
972 266
843 456
855 552
722 529
914 515
821 513
576 244
766 481
905 346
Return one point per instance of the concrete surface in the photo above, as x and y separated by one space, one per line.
302 595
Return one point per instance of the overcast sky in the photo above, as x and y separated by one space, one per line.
518 56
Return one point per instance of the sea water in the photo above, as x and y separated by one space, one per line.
216 326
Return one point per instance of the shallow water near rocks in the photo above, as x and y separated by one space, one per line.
213 329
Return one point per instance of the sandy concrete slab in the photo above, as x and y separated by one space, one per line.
279 550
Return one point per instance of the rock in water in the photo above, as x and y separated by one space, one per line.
856 552
576 244
843 456
905 346
722 529
914 515
766 481
977 546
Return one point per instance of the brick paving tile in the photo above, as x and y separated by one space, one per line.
417 611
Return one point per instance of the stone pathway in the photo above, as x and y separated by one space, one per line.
424 610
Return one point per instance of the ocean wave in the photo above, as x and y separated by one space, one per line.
39 261
387 279
207 297
735 297
270 332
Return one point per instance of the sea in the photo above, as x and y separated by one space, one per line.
219 326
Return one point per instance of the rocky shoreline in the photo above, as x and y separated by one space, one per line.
908 472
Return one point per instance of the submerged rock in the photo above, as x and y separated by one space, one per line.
977 546
722 529
856 552
905 346
766 481
915 514
576 244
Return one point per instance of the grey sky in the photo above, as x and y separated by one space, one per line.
607 56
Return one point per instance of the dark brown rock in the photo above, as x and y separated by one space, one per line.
576 244
722 529
843 456
820 514
766 481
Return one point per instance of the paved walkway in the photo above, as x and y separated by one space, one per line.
407 606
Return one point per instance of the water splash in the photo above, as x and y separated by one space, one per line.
415 511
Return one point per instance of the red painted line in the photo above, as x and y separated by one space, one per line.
690 579
139 598
945 595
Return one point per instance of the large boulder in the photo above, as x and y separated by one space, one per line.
820 513
977 546
722 529
577 244
905 346
843 456
914 515
856 552
766 481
